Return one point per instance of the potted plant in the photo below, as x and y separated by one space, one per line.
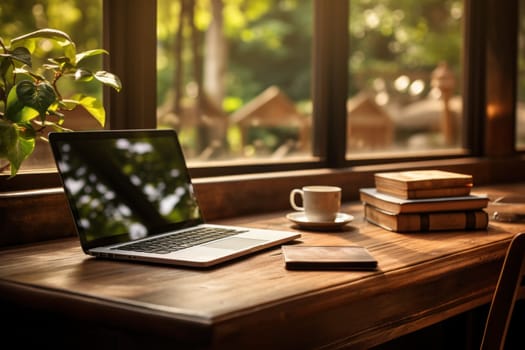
30 100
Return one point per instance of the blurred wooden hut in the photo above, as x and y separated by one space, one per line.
273 109
369 126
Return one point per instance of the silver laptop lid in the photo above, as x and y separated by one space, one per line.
124 185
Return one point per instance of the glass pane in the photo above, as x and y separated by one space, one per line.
405 76
82 21
520 108
234 77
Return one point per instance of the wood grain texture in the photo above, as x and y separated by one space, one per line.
38 216
254 302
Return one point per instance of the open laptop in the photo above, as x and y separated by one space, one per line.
131 197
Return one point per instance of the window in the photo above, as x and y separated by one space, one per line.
218 86
130 34
405 77
233 78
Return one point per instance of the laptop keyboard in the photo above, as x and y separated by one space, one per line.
186 239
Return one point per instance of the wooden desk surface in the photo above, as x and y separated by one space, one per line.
254 301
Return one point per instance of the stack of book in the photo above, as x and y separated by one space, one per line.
424 200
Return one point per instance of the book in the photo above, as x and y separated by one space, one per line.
425 222
426 193
421 179
397 205
301 257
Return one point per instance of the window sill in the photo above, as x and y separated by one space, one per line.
25 212
35 215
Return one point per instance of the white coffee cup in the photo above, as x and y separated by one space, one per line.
320 203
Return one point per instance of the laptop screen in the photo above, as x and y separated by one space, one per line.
124 185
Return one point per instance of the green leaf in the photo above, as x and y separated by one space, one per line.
64 40
14 107
27 113
7 137
110 79
47 33
23 148
16 144
16 111
82 55
82 74
20 54
5 65
38 96
29 44
23 55
94 107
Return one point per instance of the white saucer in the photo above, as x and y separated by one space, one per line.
300 219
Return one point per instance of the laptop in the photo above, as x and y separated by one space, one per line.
131 198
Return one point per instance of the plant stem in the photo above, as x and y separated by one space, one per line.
55 86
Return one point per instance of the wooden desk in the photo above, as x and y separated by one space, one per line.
254 302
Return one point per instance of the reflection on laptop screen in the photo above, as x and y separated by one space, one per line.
126 187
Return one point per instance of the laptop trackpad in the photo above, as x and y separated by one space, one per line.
235 243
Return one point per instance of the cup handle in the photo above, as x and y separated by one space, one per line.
292 199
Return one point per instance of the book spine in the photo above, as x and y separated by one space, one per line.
425 193
397 205
426 222
469 220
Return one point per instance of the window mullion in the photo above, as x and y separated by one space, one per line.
501 68
330 80
474 76
130 36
